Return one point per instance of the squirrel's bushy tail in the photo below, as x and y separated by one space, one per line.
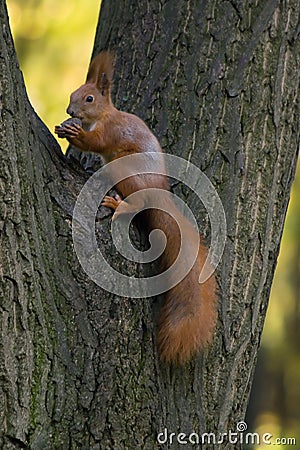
188 316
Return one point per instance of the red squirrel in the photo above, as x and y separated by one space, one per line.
188 316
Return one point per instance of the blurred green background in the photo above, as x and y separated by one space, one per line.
54 42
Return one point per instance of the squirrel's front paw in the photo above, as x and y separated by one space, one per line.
59 131
73 131
70 128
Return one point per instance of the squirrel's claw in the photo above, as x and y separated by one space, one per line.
68 130
111 202
60 131
72 131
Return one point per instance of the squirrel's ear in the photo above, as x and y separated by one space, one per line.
101 71
103 83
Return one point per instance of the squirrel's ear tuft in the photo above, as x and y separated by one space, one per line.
101 71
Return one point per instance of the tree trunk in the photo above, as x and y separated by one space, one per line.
218 84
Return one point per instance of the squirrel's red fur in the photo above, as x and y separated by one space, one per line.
188 316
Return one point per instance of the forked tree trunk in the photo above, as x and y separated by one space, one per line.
218 83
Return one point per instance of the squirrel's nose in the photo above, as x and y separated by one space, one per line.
70 111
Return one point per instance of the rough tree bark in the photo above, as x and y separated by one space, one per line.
218 83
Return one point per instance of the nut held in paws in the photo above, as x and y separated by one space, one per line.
71 121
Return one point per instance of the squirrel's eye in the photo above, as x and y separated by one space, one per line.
89 99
